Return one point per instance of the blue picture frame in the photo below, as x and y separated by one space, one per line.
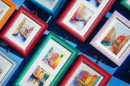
11 66
52 12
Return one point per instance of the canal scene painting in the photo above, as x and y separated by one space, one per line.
38 77
23 30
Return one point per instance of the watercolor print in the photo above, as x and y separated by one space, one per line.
5 66
38 77
85 76
116 38
3 9
81 17
23 30
53 57
95 3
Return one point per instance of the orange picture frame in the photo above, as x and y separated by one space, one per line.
12 8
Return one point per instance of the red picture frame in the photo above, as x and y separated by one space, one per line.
94 19
83 60
28 27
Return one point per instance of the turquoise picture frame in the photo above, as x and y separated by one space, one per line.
42 52
52 12
126 4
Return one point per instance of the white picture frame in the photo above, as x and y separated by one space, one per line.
8 66
116 44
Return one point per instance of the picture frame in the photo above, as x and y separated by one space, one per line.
54 56
24 31
7 7
126 4
87 73
50 6
76 21
8 66
113 39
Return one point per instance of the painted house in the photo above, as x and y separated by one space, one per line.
86 79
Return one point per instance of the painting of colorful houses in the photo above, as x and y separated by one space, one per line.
38 77
81 17
116 38
23 30
53 57
84 78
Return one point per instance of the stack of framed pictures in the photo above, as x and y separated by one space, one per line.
7 7
24 31
49 63
50 6
8 66
86 73
82 16
113 40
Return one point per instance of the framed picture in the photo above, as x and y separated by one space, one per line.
86 73
7 7
81 16
24 31
49 63
113 40
50 6
126 4
8 66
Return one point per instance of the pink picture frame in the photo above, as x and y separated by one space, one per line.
113 39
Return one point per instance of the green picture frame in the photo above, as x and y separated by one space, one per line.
126 4
59 46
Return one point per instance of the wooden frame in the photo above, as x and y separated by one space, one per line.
7 7
50 6
95 75
24 31
113 40
81 17
54 56
8 66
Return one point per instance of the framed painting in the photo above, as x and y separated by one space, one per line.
126 4
50 6
24 31
86 73
7 7
113 40
82 16
8 66
49 63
